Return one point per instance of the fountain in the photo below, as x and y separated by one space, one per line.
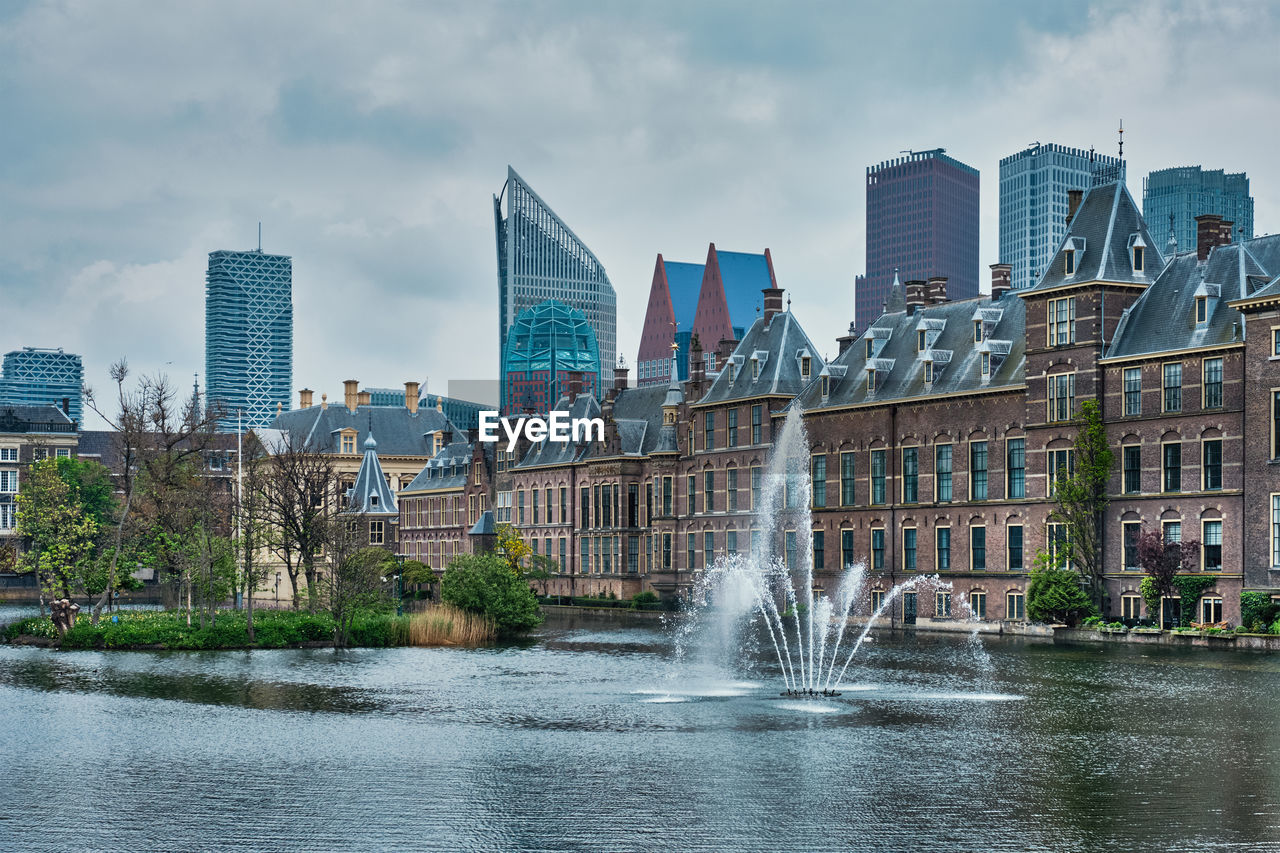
774 583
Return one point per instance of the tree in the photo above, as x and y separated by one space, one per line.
60 534
301 501
511 547
1163 561
1081 496
252 519
357 574
1054 593
486 585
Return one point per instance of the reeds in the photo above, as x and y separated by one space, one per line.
443 625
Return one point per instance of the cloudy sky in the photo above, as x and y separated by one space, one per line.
370 138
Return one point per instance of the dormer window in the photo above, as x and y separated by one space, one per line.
373 500
730 366
826 386
870 344
755 368
871 381
1070 256
1202 309
986 364
920 340
805 363
1138 253
928 372
348 442
977 331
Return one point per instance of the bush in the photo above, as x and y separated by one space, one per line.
1092 622
485 584
1055 595
1257 611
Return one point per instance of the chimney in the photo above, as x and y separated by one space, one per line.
447 436
772 303
411 397
697 361
304 398
350 394
1001 281
938 289
917 295
620 377
324 402
726 348
362 398
846 341
1211 230
279 409
66 406
575 386
1074 197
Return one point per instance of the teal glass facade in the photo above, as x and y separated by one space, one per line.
546 346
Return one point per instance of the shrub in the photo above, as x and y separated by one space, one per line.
485 584
1092 622
1257 611
1055 595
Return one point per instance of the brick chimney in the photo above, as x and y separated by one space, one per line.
324 402
304 398
411 397
917 295
772 303
726 348
362 398
620 377
575 386
1074 197
1001 280
937 289
351 394
1211 230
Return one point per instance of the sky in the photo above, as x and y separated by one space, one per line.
369 140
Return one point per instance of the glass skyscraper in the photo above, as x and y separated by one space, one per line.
1033 204
1185 192
540 258
43 377
248 335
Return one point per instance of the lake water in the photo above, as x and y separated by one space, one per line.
594 736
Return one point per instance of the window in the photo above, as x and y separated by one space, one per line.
1275 340
943 541
708 491
986 364
348 443
65 453
805 367
1212 383
584 562
1211 547
978 604
871 380
1016 467
1173 387
1130 608
1132 456
1275 424
877 600
826 385
1056 538
755 487
909 549
633 554
534 508
756 424
1129 533
942 604
942 472
1132 391
8 454
1062 397
732 414
877 476
846 479
731 542
666 551
1013 540
1062 464
691 493
564 504
691 547
7 516
790 548
1172 454
877 545
928 371
8 482
585 503
977 470
977 331
818 470
1062 321
977 548
1015 606
709 431
375 533
920 346
520 507
1172 532
910 474
668 486
1210 609
1138 252
1211 454
1069 261
819 549
846 549
1275 531
731 488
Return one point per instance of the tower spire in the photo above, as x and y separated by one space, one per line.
1121 139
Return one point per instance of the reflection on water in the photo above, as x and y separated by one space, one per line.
592 737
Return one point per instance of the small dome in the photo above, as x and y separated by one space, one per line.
369 443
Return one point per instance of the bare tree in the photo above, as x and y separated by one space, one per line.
301 500
252 513
356 579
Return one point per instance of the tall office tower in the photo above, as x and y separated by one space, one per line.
1033 203
1185 192
922 221
43 377
540 258
248 336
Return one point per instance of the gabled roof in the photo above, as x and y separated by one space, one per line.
548 452
637 413
400 432
448 469
371 495
1104 227
1163 319
35 417
777 346
900 368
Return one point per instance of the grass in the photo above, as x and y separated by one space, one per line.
443 625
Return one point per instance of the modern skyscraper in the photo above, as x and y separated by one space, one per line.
1188 191
1033 203
922 221
546 346
43 377
248 335
540 258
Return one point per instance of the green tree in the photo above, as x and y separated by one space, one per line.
1054 593
60 535
486 584
91 488
511 547
1081 496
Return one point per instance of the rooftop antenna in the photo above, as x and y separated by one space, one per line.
259 238
1121 139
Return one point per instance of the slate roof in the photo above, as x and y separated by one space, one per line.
399 431
637 414
1164 317
949 336
36 415
1101 233
371 495
448 469
547 452
777 346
